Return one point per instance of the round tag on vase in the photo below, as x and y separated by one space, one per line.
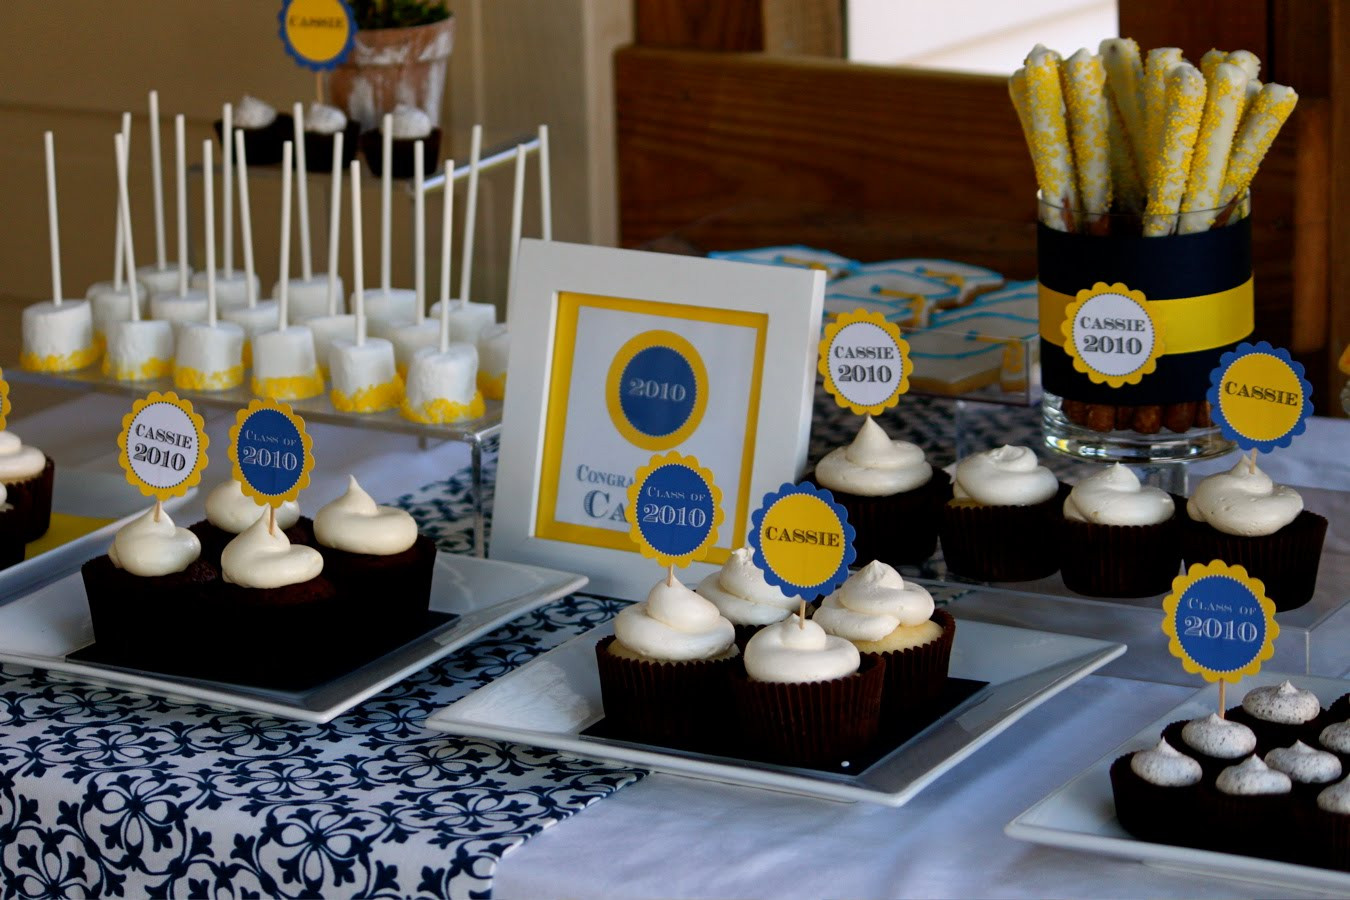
162 445
1113 334
865 362
674 509
802 540
271 452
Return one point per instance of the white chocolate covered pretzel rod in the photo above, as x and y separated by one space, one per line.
1209 163
1267 114
1050 136
1159 62
1125 85
1185 98
1089 130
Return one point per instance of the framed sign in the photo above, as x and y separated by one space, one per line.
620 354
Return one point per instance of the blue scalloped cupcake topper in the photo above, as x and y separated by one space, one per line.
318 34
802 540
1259 397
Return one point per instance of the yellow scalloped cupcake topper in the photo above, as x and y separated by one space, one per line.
162 445
865 362
674 509
4 399
271 452
1113 334
1219 622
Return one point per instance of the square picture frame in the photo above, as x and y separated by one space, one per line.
730 351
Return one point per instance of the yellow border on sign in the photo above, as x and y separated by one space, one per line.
1147 367
892 330
569 305
1169 623
614 389
306 458
630 512
4 399
193 477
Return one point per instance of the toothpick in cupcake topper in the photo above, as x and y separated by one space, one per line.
1259 398
802 540
865 362
1220 623
318 34
1113 334
4 399
674 510
162 446
271 453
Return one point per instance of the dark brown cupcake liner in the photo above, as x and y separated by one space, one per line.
264 146
1339 710
915 676
1328 837
1121 560
1286 561
390 594
402 163
1250 825
32 500
319 148
673 704
1003 543
1151 812
814 724
1273 735
1210 766
12 544
899 529
142 621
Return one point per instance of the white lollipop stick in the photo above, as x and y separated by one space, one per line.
334 223
209 208
470 216
283 280
358 268
53 227
447 223
124 216
386 187
517 206
302 186
157 181
545 188
419 235
227 185
245 219
180 181
118 252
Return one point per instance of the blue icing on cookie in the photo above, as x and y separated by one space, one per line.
798 255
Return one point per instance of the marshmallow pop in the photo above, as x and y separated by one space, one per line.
387 307
231 286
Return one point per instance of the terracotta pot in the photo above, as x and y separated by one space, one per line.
389 66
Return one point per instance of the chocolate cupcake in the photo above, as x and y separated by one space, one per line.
264 129
1310 770
665 671
229 512
1279 715
27 474
1119 537
1214 743
407 125
12 544
807 698
1156 793
322 125
744 598
147 593
376 554
1004 517
893 497
1330 839
1335 738
1249 811
1243 518
884 616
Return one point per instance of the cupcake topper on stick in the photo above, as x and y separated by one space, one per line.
358 258
4 400
865 362
1259 397
470 215
283 281
302 191
245 219
420 234
124 219
53 226
386 194
162 447
334 224
180 185
209 214
227 185
674 509
447 224
157 181
271 453
802 540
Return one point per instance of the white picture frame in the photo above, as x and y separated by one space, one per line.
754 328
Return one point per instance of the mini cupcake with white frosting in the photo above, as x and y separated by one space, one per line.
1249 801
408 125
1330 822
741 594
1309 769
265 130
1156 791
1279 715
28 475
322 122
1003 518
1243 518
230 512
884 616
892 495
665 671
807 698
1120 537
1213 742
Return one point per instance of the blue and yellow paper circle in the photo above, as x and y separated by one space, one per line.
1219 622
1259 398
802 540
1113 334
162 445
865 362
674 509
271 453
656 390
318 34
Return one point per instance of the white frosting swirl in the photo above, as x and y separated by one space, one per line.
872 603
1114 496
1282 704
1244 502
674 624
229 509
250 112
873 465
1007 476
354 523
4 495
1335 799
740 593
259 558
18 461
409 122
1165 766
797 652
148 548
1304 764
1218 738
1336 737
1252 777
321 118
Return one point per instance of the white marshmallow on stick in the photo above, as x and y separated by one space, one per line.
232 288
110 301
255 317
335 324
386 199
1209 163
1089 127
494 341
1167 184
183 304
447 229
421 333
307 296
468 318
387 308
545 188
157 181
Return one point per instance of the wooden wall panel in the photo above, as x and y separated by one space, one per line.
1199 25
799 27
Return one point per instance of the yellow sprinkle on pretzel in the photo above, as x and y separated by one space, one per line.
1159 62
1223 103
1050 136
1125 83
1210 61
1267 115
1167 181
1089 129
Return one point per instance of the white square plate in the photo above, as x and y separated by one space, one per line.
41 628
550 700
1081 815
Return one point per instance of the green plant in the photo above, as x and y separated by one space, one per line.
398 13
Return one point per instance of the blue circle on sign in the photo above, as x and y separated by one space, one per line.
270 452
658 391
1220 624
675 510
